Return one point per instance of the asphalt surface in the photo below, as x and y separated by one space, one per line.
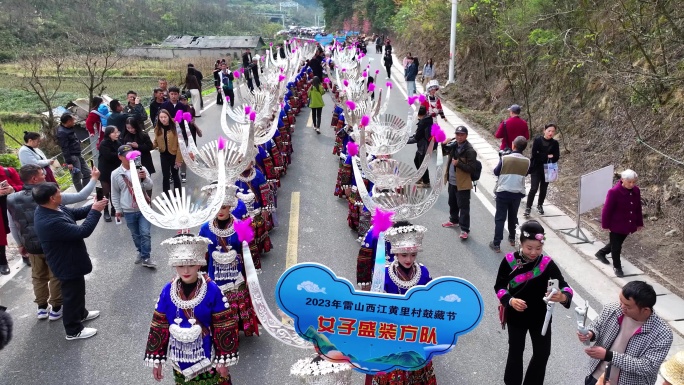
126 293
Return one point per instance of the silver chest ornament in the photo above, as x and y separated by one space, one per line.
225 265
186 344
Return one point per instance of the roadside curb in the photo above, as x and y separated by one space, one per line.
575 259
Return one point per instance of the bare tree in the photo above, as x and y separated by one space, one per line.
95 62
43 76
3 145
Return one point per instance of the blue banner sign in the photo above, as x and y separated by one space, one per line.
377 332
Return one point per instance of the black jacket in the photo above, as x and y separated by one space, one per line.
68 142
316 66
541 148
144 146
22 207
108 160
387 59
118 120
423 133
63 240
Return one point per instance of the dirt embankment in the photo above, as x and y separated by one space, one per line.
597 128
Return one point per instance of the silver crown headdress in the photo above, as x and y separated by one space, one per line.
186 250
317 371
231 198
432 84
405 239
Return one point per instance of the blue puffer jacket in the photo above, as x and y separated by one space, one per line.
63 240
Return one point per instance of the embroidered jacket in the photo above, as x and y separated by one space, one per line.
645 351
528 282
392 288
365 262
219 330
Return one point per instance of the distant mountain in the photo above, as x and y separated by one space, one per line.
408 359
321 341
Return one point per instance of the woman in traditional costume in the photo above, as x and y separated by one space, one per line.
402 274
259 199
193 328
224 260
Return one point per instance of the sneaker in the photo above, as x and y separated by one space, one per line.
184 178
83 334
496 248
148 263
318 130
55 315
527 212
602 257
618 272
92 314
138 260
540 210
464 235
449 224
5 270
511 242
42 313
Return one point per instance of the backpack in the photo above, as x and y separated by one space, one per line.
475 175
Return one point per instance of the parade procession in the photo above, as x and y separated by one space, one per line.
283 250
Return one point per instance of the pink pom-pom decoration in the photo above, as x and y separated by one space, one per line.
365 74
377 72
365 120
382 221
412 100
352 148
326 80
221 143
132 154
388 85
252 116
270 44
187 117
371 87
344 70
236 74
421 98
248 109
351 105
281 78
244 230
242 70
227 98
438 133
345 82
179 116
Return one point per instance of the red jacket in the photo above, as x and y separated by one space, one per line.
12 177
94 126
622 211
437 110
515 126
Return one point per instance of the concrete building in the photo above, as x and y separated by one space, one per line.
197 46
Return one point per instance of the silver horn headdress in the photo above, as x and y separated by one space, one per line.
175 210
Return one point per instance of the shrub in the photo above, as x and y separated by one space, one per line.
10 160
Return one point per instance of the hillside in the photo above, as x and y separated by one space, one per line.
33 23
609 74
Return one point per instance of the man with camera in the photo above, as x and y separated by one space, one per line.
126 205
21 209
63 242
459 174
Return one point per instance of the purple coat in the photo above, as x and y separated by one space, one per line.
622 211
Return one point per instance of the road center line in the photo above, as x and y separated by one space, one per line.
293 232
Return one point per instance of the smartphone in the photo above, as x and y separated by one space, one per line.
117 220
92 164
99 195
553 284
4 184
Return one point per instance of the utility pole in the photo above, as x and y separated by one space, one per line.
452 45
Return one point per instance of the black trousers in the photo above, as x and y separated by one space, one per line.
168 165
505 208
73 296
418 160
231 94
316 116
389 71
219 98
614 248
459 207
541 349
538 183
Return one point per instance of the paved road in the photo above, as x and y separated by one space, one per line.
126 293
